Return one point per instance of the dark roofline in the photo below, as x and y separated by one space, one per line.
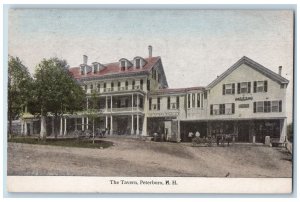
256 66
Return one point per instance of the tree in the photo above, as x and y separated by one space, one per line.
92 113
56 91
19 89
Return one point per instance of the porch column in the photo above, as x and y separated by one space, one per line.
283 128
144 131
22 127
87 103
65 129
82 124
25 128
106 103
132 129
236 131
76 123
31 128
87 123
52 124
132 102
61 127
111 103
137 125
106 122
111 125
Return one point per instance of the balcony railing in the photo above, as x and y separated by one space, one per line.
123 109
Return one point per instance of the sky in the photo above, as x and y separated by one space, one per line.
195 45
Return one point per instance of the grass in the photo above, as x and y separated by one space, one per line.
65 142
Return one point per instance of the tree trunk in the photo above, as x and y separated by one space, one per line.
43 133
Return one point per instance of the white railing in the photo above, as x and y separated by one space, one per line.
124 109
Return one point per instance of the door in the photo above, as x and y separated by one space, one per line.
243 134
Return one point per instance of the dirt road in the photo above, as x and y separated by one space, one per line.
132 157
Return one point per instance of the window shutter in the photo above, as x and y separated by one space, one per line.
266 86
254 87
239 88
249 87
233 108
211 109
280 106
233 88
254 107
223 89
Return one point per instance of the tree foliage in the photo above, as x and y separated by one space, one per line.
55 90
19 88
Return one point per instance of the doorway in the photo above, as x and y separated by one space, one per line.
243 134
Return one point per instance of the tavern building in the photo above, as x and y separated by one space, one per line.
134 98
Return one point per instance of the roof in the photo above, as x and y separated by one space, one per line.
256 66
176 90
113 69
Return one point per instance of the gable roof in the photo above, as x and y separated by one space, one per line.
113 69
256 66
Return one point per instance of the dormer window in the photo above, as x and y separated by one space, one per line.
95 68
137 63
123 63
82 70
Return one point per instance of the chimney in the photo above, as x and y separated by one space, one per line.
150 51
279 70
85 59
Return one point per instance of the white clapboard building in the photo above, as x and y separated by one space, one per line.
247 100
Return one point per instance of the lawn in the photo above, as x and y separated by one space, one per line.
65 142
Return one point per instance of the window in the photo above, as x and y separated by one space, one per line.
260 86
169 103
91 87
282 85
275 106
177 102
95 69
119 85
154 74
126 85
98 86
198 99
205 95
123 63
141 83
193 100
158 77
112 86
133 84
158 103
201 100
244 87
228 108
220 109
267 106
216 109
189 100
150 103
82 70
138 63
85 87
104 86
228 89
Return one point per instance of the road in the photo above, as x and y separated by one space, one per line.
136 158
